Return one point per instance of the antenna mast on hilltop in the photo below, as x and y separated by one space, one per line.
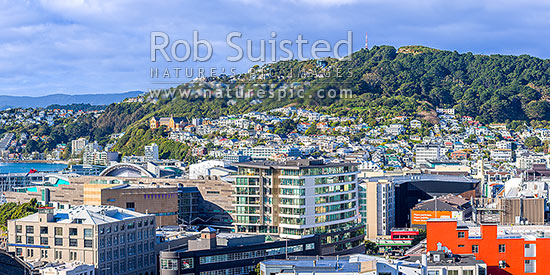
366 41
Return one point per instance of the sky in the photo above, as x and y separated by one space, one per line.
96 46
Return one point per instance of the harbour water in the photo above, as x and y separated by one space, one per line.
24 167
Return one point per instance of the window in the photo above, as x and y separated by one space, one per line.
18 229
461 234
467 272
530 266
452 272
131 264
73 242
44 240
58 231
29 229
58 241
501 248
130 205
187 263
43 230
18 239
30 240
475 248
131 250
87 233
122 267
73 231
19 251
87 243
168 264
530 250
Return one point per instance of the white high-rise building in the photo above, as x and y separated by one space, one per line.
78 145
152 152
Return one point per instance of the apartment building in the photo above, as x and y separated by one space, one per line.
151 152
299 198
425 153
114 240
517 250
377 206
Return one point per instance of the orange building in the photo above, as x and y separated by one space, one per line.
522 249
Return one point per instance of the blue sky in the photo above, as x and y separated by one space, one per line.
94 46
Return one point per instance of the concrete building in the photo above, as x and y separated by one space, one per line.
448 206
72 268
230 253
377 206
197 170
96 157
502 155
299 198
445 262
425 153
151 152
78 145
355 264
159 200
114 240
213 208
507 211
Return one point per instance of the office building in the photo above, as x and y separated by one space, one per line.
300 198
114 240
231 253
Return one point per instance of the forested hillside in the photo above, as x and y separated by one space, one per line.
385 82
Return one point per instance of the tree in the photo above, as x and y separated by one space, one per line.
418 238
371 248
532 142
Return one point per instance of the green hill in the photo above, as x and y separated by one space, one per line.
384 82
